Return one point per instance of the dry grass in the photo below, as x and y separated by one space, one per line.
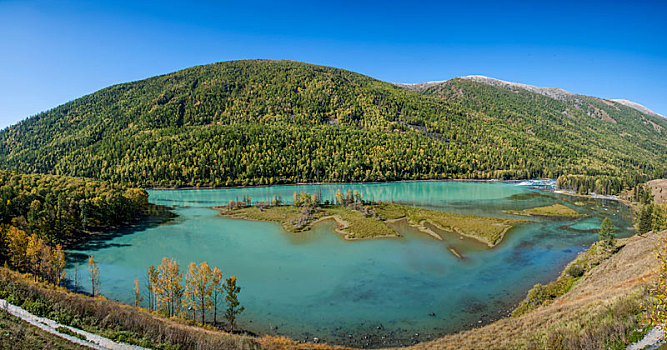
556 210
659 190
106 317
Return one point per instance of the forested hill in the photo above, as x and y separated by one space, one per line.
264 122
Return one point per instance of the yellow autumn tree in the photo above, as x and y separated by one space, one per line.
94 276
168 288
35 253
17 243
137 292
217 290
56 264
198 288
151 286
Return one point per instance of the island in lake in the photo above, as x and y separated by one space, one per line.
358 219
555 210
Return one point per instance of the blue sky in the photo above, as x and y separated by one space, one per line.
55 51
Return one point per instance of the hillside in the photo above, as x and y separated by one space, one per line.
266 122
611 134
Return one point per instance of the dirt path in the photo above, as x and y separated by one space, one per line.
651 341
92 341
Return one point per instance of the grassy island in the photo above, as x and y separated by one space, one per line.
556 210
357 219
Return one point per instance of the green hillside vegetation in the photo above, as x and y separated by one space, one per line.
605 137
556 210
363 220
61 208
18 334
268 122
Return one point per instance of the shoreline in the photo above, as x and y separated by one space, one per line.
195 188
597 196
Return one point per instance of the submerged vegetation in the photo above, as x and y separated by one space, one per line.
359 219
555 210
598 302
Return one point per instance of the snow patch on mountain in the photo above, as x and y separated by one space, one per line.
637 106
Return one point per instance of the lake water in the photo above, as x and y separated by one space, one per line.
363 293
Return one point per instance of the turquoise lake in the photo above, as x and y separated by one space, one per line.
362 293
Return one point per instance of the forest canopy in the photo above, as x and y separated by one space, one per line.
269 122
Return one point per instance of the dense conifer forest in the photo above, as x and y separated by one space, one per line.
268 122
59 208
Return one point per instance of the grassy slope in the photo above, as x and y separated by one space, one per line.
600 311
18 334
112 319
659 190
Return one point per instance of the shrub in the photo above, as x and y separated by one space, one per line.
576 270
65 330
35 307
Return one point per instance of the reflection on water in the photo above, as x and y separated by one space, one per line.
365 293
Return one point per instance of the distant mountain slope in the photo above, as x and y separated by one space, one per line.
596 126
265 122
638 107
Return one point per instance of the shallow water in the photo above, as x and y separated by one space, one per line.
364 293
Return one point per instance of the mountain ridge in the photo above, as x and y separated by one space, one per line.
260 122
553 92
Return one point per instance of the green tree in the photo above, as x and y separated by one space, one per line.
606 234
645 219
659 219
233 305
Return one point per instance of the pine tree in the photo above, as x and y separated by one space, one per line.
233 305
606 234
659 219
645 219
